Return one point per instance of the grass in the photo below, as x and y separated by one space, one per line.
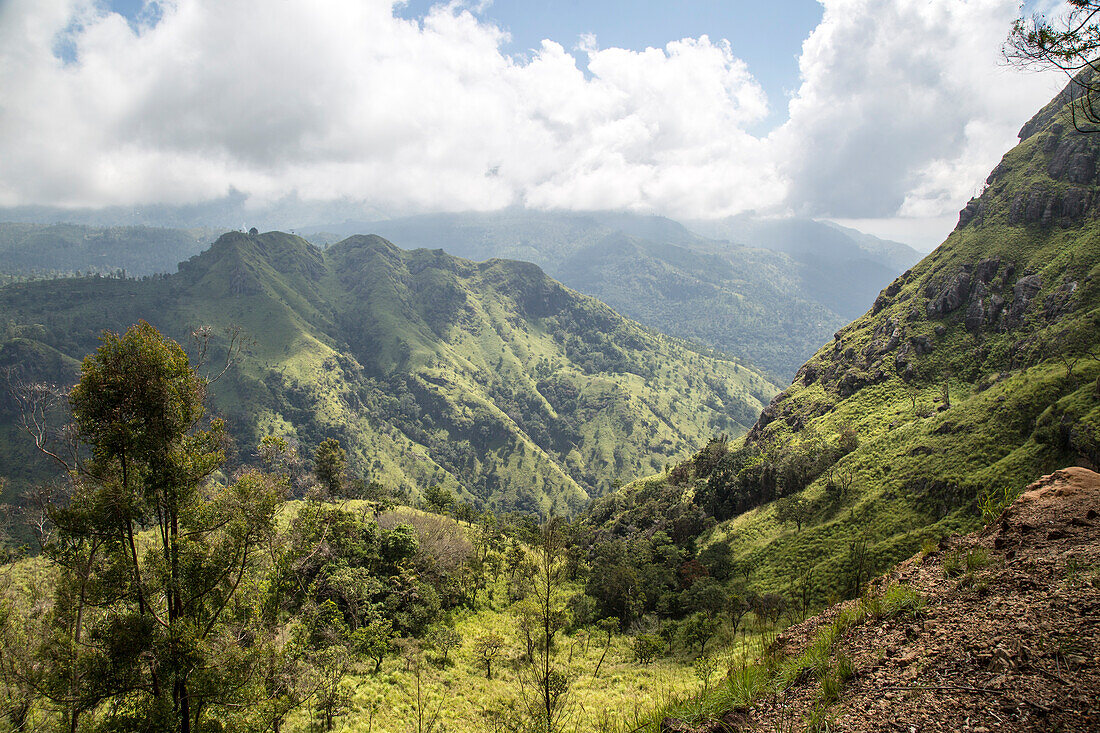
755 670
388 699
967 561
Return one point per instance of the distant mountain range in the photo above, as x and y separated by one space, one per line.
767 291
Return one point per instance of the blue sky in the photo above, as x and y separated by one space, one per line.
886 115
767 40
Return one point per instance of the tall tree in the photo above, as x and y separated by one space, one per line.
160 649
329 463
546 683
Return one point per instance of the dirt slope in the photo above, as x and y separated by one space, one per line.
1012 644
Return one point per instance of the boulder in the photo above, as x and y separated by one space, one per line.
951 297
921 344
986 269
1023 292
975 315
1060 301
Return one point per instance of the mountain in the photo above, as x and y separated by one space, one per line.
841 268
43 249
972 374
487 378
769 296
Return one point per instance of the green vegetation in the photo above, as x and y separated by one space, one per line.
767 291
67 249
170 596
753 672
973 374
488 380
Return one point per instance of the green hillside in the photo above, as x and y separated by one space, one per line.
973 374
768 291
486 378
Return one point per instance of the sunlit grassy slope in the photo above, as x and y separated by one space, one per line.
488 378
976 372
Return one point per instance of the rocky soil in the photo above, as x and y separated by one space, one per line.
1012 644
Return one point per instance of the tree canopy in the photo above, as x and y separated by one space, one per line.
1070 42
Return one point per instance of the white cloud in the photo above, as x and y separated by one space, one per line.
902 105
276 99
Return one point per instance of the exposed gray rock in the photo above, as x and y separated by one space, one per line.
884 298
951 297
1060 301
1051 143
1023 292
975 315
971 212
996 304
986 269
1027 287
902 358
850 383
921 344
1073 160
1038 205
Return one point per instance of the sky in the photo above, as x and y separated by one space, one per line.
885 115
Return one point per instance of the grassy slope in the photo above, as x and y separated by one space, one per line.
769 307
1016 412
470 699
488 377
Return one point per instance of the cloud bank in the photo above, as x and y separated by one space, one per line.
902 109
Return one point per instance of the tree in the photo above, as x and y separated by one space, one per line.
443 639
543 614
438 499
736 608
488 648
647 647
698 628
609 626
705 595
1070 43
329 463
147 625
793 510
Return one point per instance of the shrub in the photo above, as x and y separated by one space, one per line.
647 647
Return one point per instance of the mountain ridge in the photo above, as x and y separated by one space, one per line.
488 378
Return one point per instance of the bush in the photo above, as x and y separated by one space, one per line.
647 647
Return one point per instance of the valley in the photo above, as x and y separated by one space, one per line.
556 470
